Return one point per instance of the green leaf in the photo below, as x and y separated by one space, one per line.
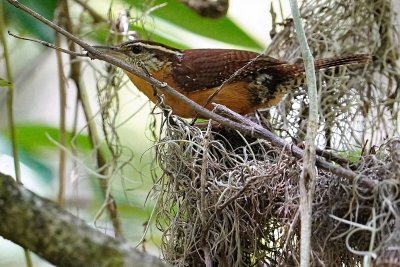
34 137
223 29
27 24
6 84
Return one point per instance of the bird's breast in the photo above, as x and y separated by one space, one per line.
242 96
235 96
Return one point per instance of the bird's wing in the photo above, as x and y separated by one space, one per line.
200 69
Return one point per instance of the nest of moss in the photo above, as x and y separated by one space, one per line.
231 200
238 206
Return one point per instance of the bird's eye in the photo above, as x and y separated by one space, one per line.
137 49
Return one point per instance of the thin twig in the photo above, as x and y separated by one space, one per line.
10 99
331 156
47 44
62 125
292 226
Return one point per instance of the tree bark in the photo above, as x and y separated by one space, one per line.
58 236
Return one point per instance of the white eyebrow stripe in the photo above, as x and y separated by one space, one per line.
157 47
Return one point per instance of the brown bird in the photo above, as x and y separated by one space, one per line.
252 80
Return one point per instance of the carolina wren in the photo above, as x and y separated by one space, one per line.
198 73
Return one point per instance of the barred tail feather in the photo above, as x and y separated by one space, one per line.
296 76
343 60
298 69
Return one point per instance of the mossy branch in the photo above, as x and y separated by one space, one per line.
58 236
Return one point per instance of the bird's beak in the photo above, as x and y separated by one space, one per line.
111 51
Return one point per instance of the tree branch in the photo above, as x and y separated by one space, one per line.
58 236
